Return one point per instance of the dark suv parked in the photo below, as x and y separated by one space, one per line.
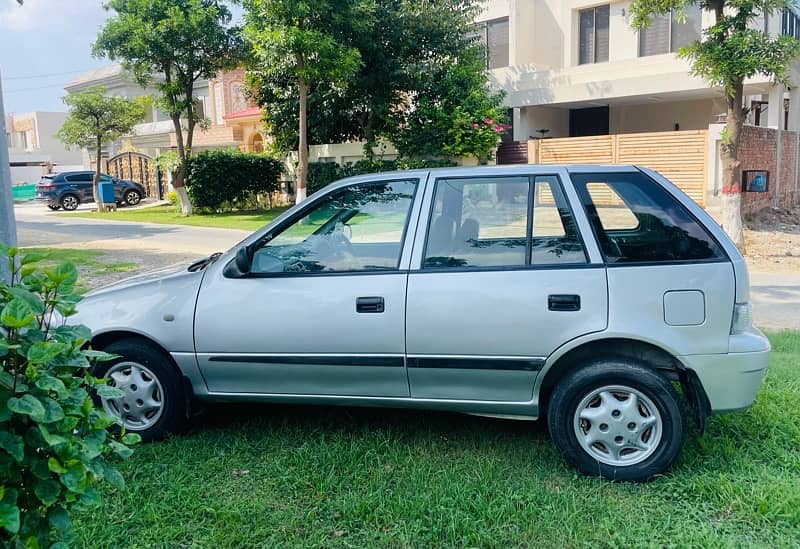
69 189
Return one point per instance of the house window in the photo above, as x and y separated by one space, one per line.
494 35
238 98
669 32
593 39
219 104
790 23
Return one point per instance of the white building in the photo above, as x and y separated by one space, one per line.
33 147
574 68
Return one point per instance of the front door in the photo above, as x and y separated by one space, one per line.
504 281
322 311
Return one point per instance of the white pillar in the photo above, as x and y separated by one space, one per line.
775 111
794 109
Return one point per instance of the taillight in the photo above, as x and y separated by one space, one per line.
742 318
45 187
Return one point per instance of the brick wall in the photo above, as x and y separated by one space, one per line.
758 150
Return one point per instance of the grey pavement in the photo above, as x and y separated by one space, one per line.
776 300
775 296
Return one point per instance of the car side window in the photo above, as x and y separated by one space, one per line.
79 178
480 222
357 228
637 221
511 221
555 239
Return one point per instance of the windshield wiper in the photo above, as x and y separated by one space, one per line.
203 263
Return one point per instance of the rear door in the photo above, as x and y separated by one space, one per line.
82 183
502 279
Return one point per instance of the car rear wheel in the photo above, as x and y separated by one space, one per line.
617 419
70 202
153 403
132 197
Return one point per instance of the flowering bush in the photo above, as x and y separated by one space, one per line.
55 446
469 137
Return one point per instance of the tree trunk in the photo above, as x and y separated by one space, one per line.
302 164
101 207
179 177
731 168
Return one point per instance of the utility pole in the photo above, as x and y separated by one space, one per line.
8 226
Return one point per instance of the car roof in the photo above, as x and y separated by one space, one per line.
482 171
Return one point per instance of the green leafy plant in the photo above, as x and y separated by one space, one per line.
226 180
55 446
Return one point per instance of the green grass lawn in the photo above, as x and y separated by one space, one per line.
91 264
248 221
277 476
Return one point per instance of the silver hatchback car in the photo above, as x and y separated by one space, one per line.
599 297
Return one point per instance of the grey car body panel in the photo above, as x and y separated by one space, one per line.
299 339
143 305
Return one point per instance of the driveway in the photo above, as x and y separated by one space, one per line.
775 295
37 226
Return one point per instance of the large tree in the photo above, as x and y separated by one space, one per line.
171 44
415 56
730 51
95 119
297 42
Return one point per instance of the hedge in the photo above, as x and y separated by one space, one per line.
323 173
226 180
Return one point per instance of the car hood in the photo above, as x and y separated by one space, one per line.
156 276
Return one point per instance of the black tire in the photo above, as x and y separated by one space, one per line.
580 384
70 202
54 207
132 197
172 417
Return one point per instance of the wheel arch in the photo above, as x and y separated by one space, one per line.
103 339
570 357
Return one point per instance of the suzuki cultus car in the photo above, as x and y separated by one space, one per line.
601 298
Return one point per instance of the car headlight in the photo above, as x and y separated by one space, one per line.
742 318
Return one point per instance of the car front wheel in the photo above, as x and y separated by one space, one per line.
132 197
617 419
153 402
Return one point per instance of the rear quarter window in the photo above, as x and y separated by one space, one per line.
636 220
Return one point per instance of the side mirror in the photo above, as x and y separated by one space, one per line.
240 266
243 260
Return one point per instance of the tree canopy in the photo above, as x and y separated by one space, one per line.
411 54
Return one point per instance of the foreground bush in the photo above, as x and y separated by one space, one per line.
228 180
54 443
323 173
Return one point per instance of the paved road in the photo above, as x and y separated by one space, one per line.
775 296
37 226
776 300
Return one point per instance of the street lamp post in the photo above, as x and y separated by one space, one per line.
8 227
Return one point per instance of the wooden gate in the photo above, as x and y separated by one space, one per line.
681 156
137 167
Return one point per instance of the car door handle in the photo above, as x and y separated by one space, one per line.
564 302
370 305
